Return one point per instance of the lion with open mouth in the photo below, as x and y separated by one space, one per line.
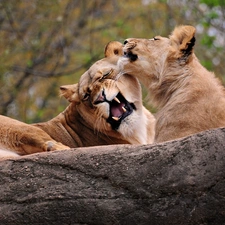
103 110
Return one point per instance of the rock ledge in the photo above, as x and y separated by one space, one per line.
180 182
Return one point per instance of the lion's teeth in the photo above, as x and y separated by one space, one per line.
116 118
117 100
124 110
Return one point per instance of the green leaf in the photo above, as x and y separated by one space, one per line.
208 41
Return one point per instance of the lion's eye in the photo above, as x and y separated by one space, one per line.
86 96
107 73
155 39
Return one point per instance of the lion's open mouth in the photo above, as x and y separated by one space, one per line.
120 108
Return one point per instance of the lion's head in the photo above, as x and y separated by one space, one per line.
110 105
153 60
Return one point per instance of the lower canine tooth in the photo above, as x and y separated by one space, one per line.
115 118
124 110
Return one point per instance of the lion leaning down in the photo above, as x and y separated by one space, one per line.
102 111
189 98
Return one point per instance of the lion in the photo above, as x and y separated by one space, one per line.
102 111
188 97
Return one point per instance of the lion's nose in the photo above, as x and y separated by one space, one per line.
125 42
101 97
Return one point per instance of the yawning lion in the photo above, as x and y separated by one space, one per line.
103 110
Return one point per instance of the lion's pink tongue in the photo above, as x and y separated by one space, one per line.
116 110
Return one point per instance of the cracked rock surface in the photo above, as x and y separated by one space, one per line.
180 182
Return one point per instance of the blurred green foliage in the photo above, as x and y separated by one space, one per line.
48 43
213 3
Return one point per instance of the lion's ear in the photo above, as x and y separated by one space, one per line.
70 92
113 48
183 41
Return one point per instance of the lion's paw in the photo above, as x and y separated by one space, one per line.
53 145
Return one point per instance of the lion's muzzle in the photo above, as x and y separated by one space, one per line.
119 108
127 50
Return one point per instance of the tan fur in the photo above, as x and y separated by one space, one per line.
84 121
189 98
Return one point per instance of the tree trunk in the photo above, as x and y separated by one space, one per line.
179 183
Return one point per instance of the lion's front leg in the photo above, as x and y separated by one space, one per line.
24 139
38 141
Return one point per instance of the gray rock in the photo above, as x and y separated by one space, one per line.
180 182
